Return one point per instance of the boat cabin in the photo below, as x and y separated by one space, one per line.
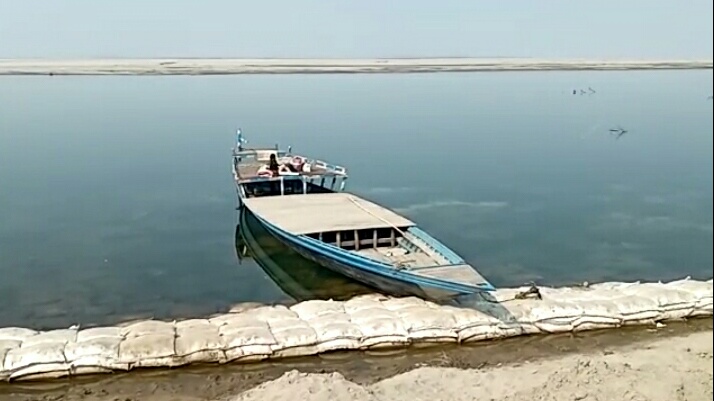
291 174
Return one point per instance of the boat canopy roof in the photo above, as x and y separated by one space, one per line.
315 213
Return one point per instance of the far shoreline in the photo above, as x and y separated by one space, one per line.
237 66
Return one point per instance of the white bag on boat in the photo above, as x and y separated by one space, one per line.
335 332
246 339
98 354
149 350
199 343
294 337
428 325
380 328
36 362
311 309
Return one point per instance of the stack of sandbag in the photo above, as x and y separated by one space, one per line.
370 322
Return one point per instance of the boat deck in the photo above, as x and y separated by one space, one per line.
423 264
459 273
315 213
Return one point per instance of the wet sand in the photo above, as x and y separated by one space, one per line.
223 66
487 370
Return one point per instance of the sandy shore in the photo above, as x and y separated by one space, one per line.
668 370
321 66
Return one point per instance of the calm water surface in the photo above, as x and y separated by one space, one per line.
116 199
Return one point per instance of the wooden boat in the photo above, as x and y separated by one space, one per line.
299 278
304 205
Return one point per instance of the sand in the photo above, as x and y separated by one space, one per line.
667 370
222 66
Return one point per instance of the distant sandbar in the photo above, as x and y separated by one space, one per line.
205 66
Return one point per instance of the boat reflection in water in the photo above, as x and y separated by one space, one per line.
299 278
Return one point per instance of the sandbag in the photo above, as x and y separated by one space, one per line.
548 316
380 328
673 303
149 350
363 302
270 314
95 354
636 310
335 332
469 322
16 333
36 362
199 343
62 336
396 304
245 339
5 347
98 332
148 327
293 337
426 324
311 309
702 291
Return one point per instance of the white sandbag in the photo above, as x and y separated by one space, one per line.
598 314
149 350
471 324
673 303
97 354
395 304
16 333
363 302
199 343
98 332
335 332
380 328
5 347
246 339
245 306
224 319
270 314
311 309
636 310
426 324
617 286
547 316
148 327
488 332
703 291
190 323
294 337
37 362
53 336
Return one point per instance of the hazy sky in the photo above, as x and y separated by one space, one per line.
356 28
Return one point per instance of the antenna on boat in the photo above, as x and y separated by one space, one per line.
240 140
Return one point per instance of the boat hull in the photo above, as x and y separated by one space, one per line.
383 278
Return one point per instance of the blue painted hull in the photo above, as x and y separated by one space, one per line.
380 276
